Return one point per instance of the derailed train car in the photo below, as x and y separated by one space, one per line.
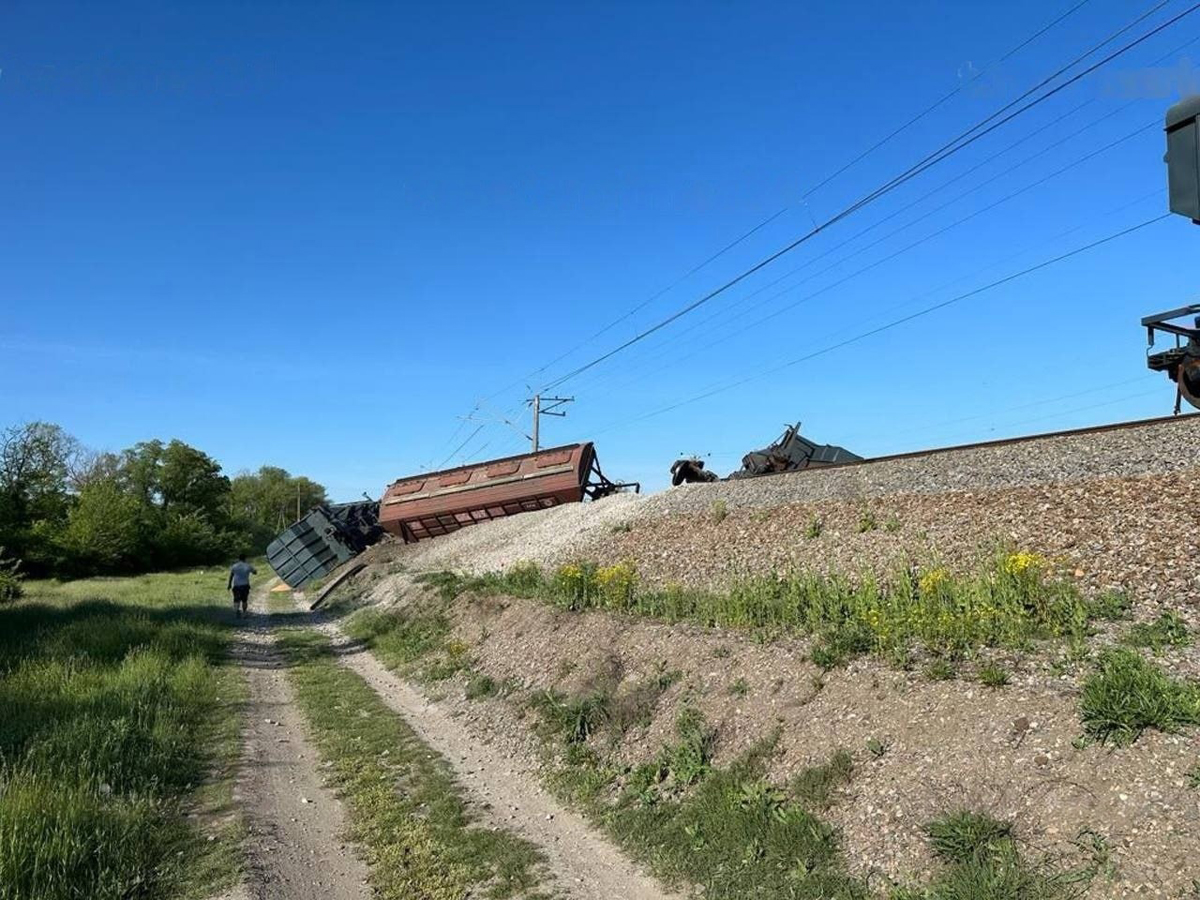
435 503
790 453
326 537
427 505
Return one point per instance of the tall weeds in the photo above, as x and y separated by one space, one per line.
1009 601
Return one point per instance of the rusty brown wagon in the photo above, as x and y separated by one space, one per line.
435 503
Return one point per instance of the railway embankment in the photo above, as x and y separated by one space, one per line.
1006 631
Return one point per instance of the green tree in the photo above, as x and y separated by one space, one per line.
36 462
190 480
104 530
67 510
139 470
266 500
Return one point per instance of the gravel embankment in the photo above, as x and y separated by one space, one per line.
1119 508
1148 450
1112 509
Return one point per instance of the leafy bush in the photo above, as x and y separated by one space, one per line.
10 579
105 528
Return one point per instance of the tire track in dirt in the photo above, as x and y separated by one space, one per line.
295 824
584 864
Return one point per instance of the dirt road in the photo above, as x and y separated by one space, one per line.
583 864
294 849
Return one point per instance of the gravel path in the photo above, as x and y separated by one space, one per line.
294 849
583 864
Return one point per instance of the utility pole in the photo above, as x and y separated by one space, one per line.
545 406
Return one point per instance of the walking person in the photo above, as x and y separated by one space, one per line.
239 584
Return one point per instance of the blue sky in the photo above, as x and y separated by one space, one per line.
315 235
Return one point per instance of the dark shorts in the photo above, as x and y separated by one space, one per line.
241 593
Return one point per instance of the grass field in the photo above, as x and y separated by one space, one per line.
119 729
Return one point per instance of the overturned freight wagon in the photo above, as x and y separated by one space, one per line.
427 505
790 453
433 503
326 537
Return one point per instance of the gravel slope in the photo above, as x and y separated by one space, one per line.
1147 450
1118 508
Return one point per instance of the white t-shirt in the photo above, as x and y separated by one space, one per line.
241 572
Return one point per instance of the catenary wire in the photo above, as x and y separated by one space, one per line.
966 139
890 325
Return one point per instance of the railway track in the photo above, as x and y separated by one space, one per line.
1001 442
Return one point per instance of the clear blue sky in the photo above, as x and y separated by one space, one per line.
315 234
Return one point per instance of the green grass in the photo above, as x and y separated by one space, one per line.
1168 630
406 810
1010 601
964 835
1126 694
982 862
815 786
571 719
993 676
416 643
728 830
940 670
1192 777
119 718
481 686
1111 606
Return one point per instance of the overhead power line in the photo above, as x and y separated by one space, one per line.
825 181
453 453
925 311
625 377
804 197
725 336
968 137
762 224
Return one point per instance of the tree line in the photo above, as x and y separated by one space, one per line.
68 511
